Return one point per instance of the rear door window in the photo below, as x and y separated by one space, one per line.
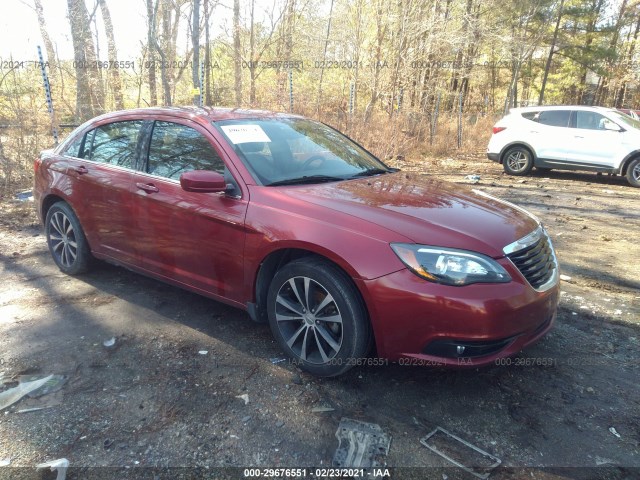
177 148
555 118
114 143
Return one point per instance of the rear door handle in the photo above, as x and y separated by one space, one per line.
147 187
578 136
534 131
81 169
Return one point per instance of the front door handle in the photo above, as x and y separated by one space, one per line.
147 187
578 136
81 169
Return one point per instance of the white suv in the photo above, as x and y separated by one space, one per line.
567 138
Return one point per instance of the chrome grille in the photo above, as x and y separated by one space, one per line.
535 260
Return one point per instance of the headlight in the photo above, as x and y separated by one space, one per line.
450 266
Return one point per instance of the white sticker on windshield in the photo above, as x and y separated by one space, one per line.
245 133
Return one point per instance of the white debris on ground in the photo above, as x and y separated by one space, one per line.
578 302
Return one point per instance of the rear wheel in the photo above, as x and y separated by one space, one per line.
317 316
633 172
517 161
66 240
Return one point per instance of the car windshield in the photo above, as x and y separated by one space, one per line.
626 119
291 151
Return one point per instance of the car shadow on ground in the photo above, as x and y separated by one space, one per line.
595 178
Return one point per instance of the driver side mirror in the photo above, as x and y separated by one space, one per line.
203 181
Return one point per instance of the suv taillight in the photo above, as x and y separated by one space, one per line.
498 129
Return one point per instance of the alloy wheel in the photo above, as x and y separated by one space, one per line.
517 161
309 320
62 239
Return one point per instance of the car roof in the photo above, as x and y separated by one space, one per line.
561 107
213 114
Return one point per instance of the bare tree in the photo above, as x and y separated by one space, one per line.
237 53
151 58
381 33
89 97
207 55
551 52
114 71
195 40
622 91
324 58
48 45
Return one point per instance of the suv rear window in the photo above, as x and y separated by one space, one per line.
530 115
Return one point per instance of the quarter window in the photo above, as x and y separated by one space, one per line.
114 143
176 149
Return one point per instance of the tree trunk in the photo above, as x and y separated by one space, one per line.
164 62
195 40
381 33
48 46
622 91
356 56
252 57
89 95
237 53
604 94
151 58
207 56
51 60
590 30
114 72
324 58
547 66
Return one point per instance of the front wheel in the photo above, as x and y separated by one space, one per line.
317 316
517 161
65 238
633 173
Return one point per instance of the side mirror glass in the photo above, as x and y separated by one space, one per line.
203 181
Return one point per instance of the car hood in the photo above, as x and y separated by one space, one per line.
426 210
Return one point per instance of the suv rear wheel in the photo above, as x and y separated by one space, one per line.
517 161
633 172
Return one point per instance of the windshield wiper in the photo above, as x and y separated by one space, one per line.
370 172
305 179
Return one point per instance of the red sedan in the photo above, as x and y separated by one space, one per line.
295 223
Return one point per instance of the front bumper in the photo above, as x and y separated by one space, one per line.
413 318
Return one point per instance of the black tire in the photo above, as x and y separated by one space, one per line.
633 172
517 161
330 347
66 240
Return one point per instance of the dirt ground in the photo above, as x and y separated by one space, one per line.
152 400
